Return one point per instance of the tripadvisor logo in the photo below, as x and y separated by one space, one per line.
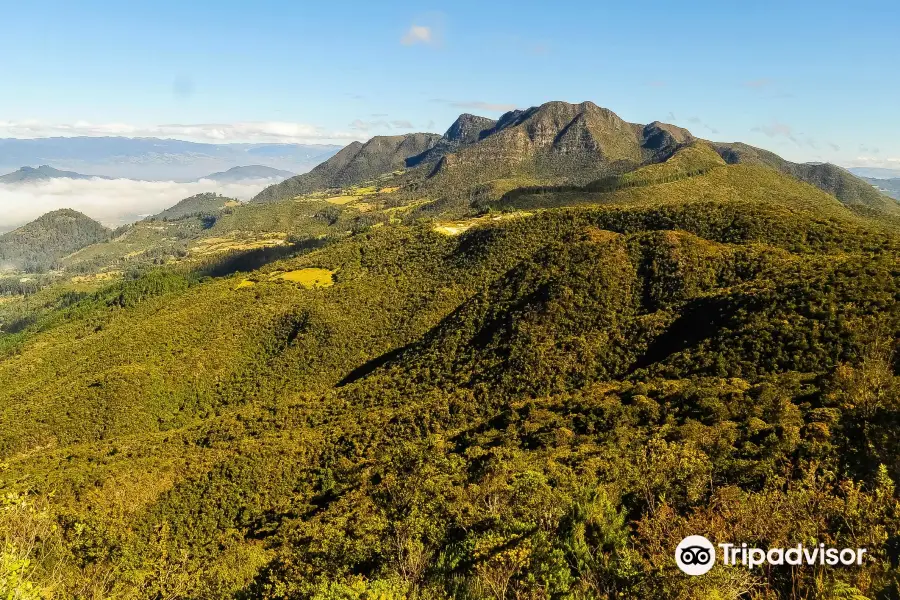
696 555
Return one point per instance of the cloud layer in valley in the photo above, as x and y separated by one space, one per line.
112 202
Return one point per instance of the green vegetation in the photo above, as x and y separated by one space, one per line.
530 392
200 205
354 164
41 244
849 189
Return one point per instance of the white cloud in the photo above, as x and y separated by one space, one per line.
875 161
418 34
250 131
112 202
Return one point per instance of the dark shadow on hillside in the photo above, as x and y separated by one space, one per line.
482 332
373 365
700 320
250 260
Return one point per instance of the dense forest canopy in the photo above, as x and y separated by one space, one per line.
39 245
465 379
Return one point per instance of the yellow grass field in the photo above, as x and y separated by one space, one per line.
106 276
341 200
308 278
215 245
458 227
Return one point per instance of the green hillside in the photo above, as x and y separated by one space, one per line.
208 203
548 401
354 164
42 243
851 190
556 143
490 376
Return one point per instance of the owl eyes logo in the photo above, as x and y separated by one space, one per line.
695 555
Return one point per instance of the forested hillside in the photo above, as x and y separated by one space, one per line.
39 245
529 387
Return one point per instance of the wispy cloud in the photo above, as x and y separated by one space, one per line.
110 201
699 122
777 129
401 124
427 29
250 131
418 34
876 162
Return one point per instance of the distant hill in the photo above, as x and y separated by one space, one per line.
236 174
891 187
208 203
38 245
846 187
355 163
155 158
43 173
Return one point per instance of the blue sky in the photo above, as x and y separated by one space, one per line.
809 80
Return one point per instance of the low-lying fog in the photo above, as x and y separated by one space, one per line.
113 202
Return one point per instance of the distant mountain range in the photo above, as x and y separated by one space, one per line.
891 187
156 159
43 173
233 175
250 172
875 172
